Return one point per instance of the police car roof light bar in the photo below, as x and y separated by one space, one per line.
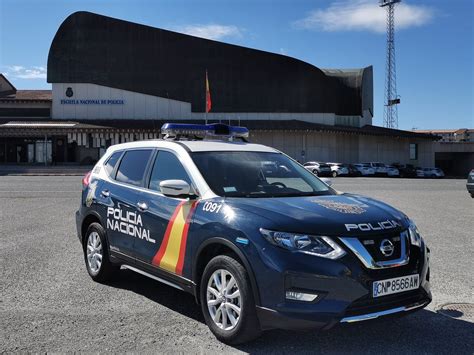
201 131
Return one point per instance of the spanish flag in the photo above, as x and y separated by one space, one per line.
208 96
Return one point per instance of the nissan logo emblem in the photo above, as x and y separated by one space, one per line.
386 247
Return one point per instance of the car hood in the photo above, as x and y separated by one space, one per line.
344 214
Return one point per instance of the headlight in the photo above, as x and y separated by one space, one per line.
309 244
415 237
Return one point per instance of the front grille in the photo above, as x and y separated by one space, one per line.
372 244
368 249
368 304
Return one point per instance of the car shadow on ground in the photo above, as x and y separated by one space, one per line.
421 332
155 291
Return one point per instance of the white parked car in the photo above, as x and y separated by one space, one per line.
365 169
379 168
433 172
338 169
317 168
392 171
420 172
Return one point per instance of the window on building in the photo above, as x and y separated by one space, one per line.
132 167
111 162
413 151
167 167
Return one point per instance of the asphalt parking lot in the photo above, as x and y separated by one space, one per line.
49 303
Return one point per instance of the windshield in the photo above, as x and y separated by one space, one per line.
257 174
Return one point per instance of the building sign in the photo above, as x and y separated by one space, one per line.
92 102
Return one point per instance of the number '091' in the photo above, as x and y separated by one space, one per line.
212 207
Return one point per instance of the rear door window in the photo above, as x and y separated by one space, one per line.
132 166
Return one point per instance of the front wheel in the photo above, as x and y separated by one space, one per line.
334 174
227 301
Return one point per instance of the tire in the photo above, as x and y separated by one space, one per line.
246 327
334 174
102 269
472 194
315 172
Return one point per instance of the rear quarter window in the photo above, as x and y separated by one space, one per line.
132 167
112 162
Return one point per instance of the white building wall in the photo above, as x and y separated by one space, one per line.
346 148
135 105
142 106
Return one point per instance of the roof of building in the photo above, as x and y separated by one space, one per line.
27 95
95 49
252 125
6 87
45 125
444 131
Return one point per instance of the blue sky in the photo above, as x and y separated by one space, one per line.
434 42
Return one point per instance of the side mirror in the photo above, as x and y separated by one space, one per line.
175 188
327 181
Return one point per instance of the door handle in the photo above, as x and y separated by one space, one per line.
105 193
142 206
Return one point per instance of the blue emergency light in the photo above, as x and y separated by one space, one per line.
201 131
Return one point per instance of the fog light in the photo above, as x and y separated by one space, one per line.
300 296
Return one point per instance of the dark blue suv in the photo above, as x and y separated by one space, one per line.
258 240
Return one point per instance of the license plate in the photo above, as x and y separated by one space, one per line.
395 285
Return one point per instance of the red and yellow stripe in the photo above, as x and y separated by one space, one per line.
172 250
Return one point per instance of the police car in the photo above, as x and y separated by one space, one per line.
258 240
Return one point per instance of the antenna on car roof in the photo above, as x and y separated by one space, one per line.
188 131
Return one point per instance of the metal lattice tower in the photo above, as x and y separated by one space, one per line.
390 117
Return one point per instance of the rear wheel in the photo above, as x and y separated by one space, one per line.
334 174
227 301
96 254
315 172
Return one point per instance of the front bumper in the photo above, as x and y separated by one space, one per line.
374 315
343 287
271 319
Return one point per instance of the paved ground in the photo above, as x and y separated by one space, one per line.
49 303
41 170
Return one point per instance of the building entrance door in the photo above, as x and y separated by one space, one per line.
43 151
21 153
31 153
59 149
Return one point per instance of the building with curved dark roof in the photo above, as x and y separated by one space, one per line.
95 49
115 81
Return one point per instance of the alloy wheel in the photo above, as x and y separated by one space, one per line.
94 252
223 299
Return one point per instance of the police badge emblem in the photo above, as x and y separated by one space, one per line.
350 208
